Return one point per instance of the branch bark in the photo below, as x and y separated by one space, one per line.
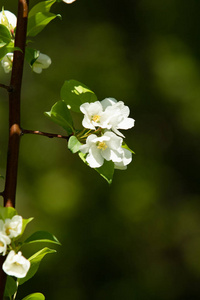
14 117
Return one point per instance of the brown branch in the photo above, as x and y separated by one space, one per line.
14 117
7 87
47 134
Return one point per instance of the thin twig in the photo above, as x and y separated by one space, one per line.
7 87
47 134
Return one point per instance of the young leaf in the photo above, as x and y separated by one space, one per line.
35 261
106 171
34 296
5 36
60 114
7 49
124 145
43 6
75 93
7 212
31 55
10 288
38 22
74 144
42 236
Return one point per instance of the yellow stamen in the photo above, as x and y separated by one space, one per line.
102 145
96 118
1 244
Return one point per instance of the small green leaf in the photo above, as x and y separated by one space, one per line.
38 22
25 222
34 296
74 144
60 114
7 212
75 93
35 261
43 6
11 287
31 55
42 236
124 145
106 171
5 36
7 49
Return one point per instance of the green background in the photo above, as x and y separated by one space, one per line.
139 238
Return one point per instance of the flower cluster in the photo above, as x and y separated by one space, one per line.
15 264
9 20
106 118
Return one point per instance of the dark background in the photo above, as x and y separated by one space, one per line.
139 238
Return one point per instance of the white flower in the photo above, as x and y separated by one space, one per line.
106 147
42 62
13 227
4 241
117 115
107 114
93 115
68 1
8 19
16 265
7 62
126 159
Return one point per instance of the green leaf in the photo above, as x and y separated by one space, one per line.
60 114
106 171
5 36
42 236
34 296
11 287
43 6
7 212
7 49
74 144
25 222
75 93
124 145
35 261
38 22
31 55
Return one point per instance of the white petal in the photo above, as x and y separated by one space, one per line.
11 18
68 1
94 158
126 123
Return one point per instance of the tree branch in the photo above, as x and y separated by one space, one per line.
14 117
7 87
47 134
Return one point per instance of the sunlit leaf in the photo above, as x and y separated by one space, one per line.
75 93
7 212
38 22
60 114
124 145
34 296
43 6
74 144
35 261
5 36
42 236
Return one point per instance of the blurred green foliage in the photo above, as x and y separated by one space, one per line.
140 238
